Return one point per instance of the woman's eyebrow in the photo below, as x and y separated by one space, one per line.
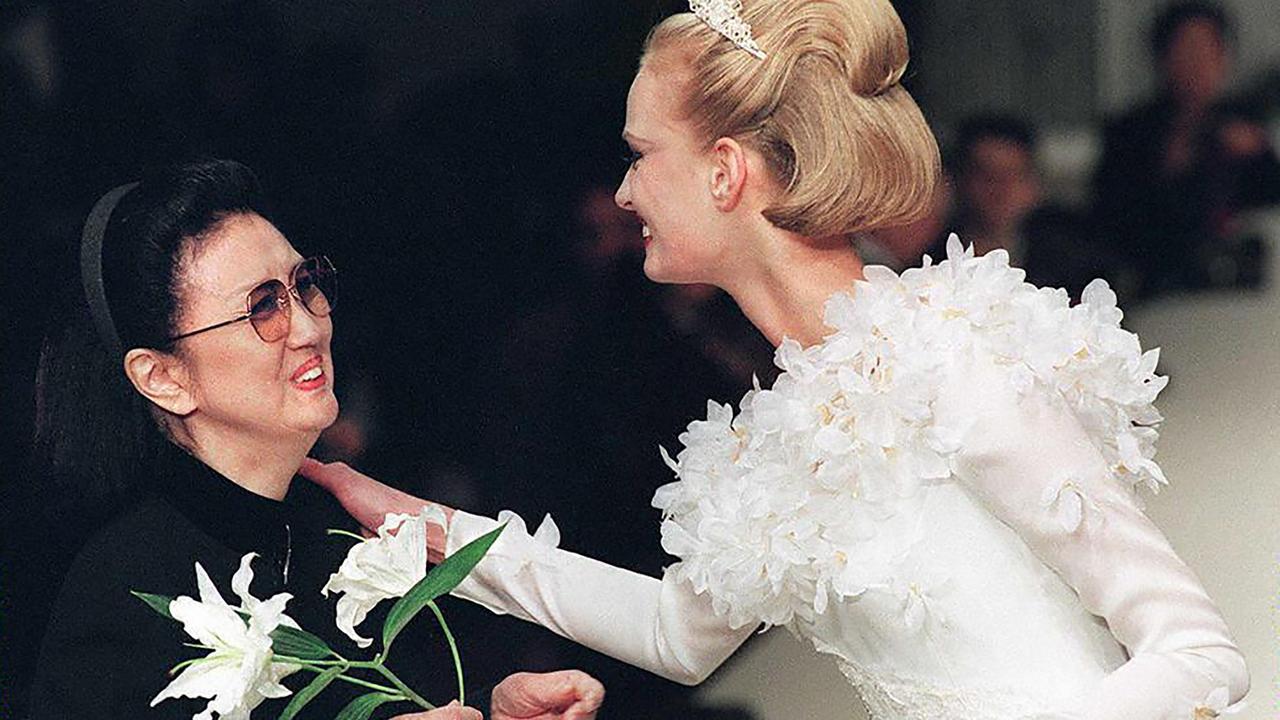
244 289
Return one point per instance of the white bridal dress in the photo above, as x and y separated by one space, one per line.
942 496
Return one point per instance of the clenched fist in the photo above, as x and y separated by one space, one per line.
562 695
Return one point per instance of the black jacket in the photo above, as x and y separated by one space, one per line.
106 654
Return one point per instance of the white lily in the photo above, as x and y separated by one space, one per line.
382 567
240 673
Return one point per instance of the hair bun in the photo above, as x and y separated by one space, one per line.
845 141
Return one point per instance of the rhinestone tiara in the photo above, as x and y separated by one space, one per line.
725 17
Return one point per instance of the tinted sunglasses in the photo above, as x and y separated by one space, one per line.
313 281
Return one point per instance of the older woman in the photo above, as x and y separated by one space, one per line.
194 386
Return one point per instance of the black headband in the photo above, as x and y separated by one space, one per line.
91 267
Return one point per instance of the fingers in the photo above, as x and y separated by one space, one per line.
453 711
588 691
326 475
567 694
369 501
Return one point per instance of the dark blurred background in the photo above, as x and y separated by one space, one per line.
498 345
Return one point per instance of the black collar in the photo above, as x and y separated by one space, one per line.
235 517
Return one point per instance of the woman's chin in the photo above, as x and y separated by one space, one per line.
318 417
660 272
666 275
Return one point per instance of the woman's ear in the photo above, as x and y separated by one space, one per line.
161 378
728 173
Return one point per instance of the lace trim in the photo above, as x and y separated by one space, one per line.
890 697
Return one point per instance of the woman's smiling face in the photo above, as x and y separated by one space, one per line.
668 184
240 383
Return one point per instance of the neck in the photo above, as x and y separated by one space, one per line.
783 293
262 466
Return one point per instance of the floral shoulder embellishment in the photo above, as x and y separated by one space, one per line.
794 499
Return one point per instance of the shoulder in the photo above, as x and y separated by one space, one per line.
148 547
1056 372
104 650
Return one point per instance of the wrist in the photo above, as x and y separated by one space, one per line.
438 535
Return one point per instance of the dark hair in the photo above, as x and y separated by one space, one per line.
93 430
990 127
1174 16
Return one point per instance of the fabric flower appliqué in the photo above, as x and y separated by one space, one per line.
921 602
519 557
1068 504
775 508
1217 704
240 672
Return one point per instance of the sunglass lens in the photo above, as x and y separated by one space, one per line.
317 285
267 311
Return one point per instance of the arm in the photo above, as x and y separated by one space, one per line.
657 625
1115 558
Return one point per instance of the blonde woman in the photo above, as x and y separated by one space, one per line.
940 490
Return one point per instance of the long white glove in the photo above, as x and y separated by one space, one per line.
1029 460
657 625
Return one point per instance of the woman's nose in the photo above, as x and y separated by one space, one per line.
304 328
623 195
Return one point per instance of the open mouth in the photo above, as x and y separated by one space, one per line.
310 375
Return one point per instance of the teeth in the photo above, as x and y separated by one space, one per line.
311 374
645 232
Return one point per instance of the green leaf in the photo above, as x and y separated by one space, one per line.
308 693
284 640
159 603
442 578
299 643
362 707
293 642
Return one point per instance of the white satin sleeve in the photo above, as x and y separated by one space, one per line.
657 625
1030 461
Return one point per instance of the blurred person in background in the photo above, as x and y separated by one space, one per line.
998 185
1176 171
1000 204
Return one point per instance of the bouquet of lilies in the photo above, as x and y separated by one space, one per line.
255 645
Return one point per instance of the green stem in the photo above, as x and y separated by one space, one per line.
453 648
184 664
367 664
335 531
362 683
404 689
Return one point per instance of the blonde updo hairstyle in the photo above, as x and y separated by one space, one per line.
845 141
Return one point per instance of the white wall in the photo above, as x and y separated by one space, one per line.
1124 62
